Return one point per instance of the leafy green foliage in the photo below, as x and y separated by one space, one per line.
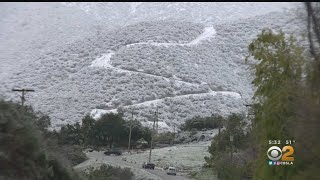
164 138
111 129
200 123
280 63
235 127
109 172
220 149
24 154
278 81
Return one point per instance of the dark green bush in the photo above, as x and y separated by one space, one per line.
111 129
108 172
23 149
164 138
220 150
200 123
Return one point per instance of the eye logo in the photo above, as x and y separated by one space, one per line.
274 153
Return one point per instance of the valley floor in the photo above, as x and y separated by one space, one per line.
185 157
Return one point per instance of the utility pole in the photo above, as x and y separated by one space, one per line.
231 140
154 122
24 91
174 133
220 124
157 116
130 130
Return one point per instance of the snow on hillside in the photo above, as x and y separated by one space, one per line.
28 30
208 13
103 61
59 50
167 120
207 34
183 157
96 113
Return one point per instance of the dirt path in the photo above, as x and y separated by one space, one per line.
105 62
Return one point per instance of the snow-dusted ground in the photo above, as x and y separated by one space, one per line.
207 34
96 159
50 46
207 13
105 62
185 157
28 30
96 113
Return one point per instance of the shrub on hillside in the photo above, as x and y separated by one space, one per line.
111 129
220 149
164 138
23 150
200 123
109 172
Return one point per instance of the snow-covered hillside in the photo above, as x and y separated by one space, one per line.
28 30
205 12
95 58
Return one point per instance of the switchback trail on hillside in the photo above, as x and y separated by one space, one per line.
105 62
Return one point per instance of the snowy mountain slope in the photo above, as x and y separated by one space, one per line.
105 62
175 110
75 78
208 13
28 30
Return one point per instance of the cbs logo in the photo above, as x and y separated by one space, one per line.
274 153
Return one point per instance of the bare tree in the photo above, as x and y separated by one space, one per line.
313 12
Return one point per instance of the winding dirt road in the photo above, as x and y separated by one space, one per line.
98 158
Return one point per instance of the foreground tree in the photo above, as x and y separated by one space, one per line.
221 147
278 78
306 126
24 151
109 128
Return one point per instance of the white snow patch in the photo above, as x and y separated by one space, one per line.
103 61
167 79
134 6
175 77
97 113
162 126
208 33
180 82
